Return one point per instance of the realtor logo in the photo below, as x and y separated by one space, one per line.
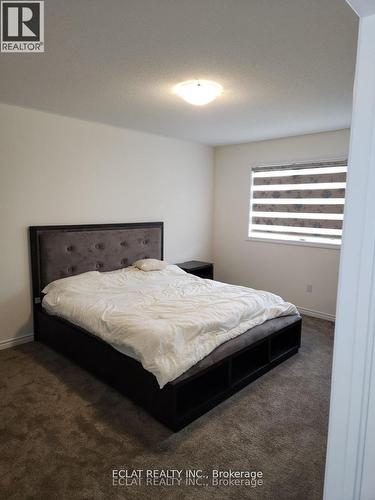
22 26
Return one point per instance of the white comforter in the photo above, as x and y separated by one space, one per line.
168 320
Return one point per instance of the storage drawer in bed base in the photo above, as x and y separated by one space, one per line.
178 403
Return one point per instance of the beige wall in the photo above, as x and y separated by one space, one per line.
280 268
58 170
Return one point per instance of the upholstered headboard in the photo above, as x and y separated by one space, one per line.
61 251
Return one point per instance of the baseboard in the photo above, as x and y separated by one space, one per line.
316 314
6 344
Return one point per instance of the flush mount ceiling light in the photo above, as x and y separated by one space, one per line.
198 92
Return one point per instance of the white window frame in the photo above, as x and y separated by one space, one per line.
299 240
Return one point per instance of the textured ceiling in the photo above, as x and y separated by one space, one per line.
287 66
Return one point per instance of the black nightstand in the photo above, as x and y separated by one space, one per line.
202 269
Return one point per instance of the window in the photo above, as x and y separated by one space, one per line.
298 203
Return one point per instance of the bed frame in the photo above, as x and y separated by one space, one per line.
60 251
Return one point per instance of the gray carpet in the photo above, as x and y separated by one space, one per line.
62 431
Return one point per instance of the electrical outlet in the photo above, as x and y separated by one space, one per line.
309 288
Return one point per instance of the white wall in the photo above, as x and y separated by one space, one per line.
58 170
280 268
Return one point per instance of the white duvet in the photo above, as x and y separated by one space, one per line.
168 320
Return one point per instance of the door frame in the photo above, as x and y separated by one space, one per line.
351 436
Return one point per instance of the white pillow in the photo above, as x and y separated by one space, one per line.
150 264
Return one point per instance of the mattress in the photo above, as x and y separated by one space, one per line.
238 343
167 320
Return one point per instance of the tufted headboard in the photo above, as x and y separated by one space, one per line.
61 251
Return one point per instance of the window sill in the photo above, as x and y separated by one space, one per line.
331 246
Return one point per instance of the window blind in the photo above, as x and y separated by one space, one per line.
298 202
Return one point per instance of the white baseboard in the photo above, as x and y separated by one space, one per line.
316 314
6 344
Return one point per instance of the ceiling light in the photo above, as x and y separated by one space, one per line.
198 92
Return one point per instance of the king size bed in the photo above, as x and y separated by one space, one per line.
174 343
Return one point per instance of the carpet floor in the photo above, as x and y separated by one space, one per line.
62 432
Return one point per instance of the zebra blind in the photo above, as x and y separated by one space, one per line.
298 202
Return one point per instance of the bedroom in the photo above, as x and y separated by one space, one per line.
96 138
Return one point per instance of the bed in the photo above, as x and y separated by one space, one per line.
63 251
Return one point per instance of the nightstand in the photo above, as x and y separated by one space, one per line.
198 268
